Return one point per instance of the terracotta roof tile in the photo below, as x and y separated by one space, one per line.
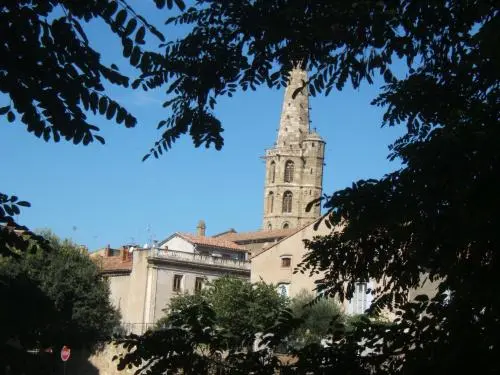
221 243
259 235
114 264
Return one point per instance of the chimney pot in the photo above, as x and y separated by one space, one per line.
124 253
200 228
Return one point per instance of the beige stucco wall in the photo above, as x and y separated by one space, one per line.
164 286
133 310
145 292
119 286
267 265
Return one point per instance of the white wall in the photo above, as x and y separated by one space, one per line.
178 244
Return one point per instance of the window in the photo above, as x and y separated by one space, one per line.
270 202
198 284
177 283
289 166
269 226
272 171
286 262
286 226
359 299
283 290
287 201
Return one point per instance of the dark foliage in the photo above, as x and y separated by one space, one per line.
434 218
53 299
241 308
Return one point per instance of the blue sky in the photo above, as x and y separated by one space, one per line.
99 195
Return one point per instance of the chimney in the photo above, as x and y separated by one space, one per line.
107 251
200 228
124 253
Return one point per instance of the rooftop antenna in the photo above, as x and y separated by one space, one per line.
151 236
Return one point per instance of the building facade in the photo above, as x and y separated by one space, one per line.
143 280
294 166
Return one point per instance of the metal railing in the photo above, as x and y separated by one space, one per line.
200 259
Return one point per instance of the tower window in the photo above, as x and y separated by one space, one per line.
286 226
272 171
289 167
287 201
270 202
269 226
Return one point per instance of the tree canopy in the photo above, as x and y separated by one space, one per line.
53 299
435 217
241 308
318 319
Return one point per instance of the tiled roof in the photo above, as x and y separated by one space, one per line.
114 264
259 235
221 243
296 230
230 230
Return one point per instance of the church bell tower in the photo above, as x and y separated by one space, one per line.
294 166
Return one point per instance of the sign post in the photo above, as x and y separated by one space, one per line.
65 353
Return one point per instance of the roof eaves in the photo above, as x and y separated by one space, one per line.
284 238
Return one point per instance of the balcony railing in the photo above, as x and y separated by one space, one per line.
199 259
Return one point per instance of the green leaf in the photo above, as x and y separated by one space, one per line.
111 9
132 23
139 36
160 4
94 101
130 121
103 105
112 107
99 139
11 117
120 18
127 47
4 110
136 55
180 4
120 116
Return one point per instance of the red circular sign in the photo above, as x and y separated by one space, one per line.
65 353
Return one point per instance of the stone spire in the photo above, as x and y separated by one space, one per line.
294 122
294 167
